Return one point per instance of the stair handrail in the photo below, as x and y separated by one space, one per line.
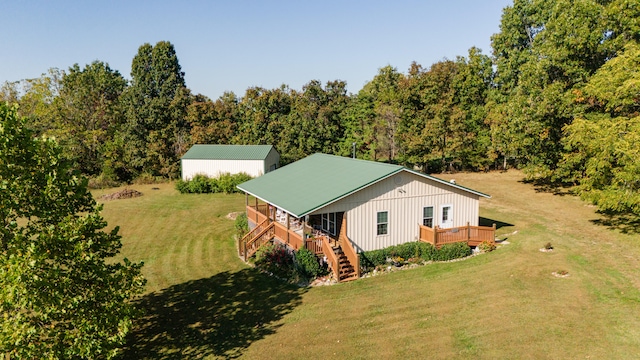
258 228
332 259
269 231
347 247
251 236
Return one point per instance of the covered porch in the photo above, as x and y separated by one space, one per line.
267 222
295 232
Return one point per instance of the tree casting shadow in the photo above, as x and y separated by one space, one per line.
221 315
625 223
546 186
489 222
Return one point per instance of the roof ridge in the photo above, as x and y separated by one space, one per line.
361 160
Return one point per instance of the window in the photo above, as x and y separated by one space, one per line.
445 214
383 222
329 223
272 167
427 216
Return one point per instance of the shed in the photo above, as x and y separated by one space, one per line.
213 160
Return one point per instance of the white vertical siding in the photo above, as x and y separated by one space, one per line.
213 168
403 195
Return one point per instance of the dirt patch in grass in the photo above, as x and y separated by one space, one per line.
233 215
122 194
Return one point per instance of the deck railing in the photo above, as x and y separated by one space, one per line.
347 248
332 259
314 244
257 215
472 235
250 243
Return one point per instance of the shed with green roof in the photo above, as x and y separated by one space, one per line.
381 204
213 160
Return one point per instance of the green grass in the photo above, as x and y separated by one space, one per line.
203 302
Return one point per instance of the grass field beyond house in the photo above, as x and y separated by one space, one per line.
203 302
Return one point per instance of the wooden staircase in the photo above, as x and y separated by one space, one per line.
252 241
346 270
341 256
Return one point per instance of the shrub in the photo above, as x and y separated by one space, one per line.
147 178
241 224
487 246
307 263
182 186
275 259
428 252
406 250
454 251
201 184
548 246
103 181
413 250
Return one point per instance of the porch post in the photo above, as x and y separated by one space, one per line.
468 232
287 228
435 235
304 234
494 232
257 211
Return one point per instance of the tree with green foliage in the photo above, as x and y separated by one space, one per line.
544 51
314 123
263 114
62 295
373 121
89 116
471 134
428 133
156 133
35 98
213 122
603 144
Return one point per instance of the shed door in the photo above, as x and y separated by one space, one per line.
446 216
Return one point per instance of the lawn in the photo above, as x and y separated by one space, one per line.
203 302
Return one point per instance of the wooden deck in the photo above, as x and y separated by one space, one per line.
339 253
472 235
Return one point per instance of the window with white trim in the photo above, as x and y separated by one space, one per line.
329 223
446 213
382 222
427 216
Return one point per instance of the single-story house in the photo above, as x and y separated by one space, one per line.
213 160
356 206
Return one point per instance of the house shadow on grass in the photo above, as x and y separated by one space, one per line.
220 316
625 223
489 222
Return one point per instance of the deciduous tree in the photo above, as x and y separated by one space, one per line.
62 295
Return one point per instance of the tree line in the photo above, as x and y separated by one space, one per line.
558 97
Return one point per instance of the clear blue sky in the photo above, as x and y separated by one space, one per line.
236 44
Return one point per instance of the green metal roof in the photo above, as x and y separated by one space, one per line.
318 180
228 152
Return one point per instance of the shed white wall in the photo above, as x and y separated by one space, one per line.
404 196
213 168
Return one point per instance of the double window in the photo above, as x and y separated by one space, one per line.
329 223
382 222
427 216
